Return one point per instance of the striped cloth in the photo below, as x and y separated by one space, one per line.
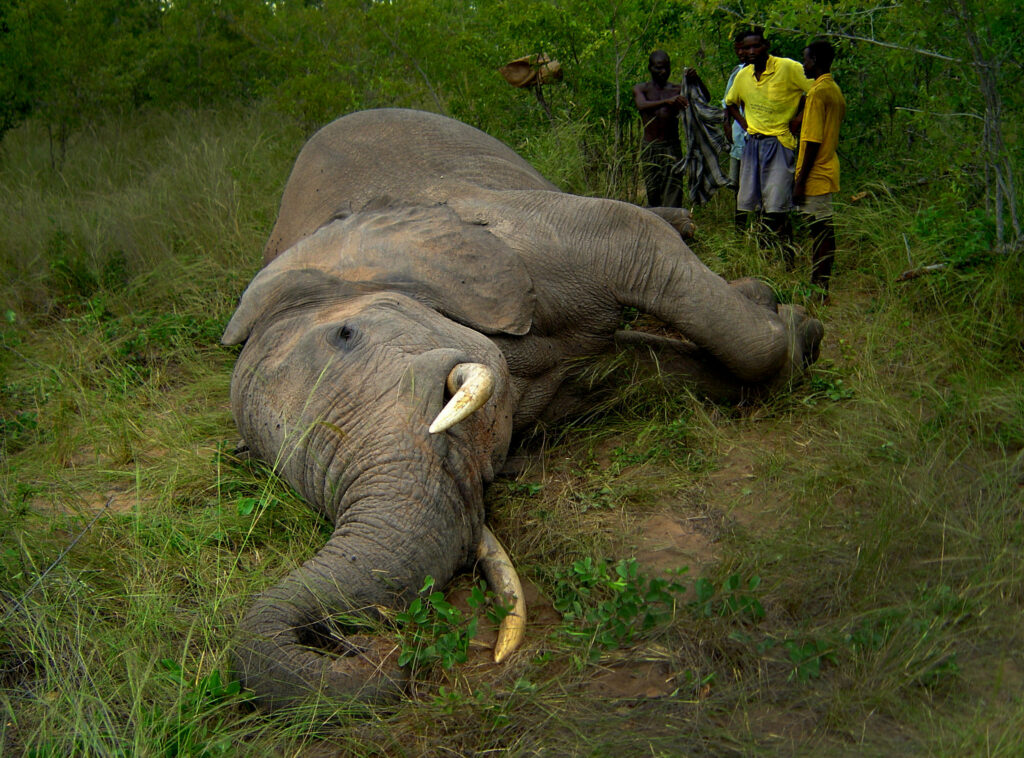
705 141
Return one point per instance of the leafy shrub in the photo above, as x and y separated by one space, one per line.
609 606
734 598
435 631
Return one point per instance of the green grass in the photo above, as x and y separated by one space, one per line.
864 585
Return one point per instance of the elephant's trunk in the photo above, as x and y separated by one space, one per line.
290 644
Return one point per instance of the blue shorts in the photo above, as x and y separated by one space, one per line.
766 176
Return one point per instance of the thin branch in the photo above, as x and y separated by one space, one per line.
59 558
891 45
855 38
916 272
944 115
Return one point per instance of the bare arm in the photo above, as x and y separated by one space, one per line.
811 150
737 116
798 118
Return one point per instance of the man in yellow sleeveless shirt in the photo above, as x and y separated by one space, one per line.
817 165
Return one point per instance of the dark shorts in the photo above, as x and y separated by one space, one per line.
664 186
766 176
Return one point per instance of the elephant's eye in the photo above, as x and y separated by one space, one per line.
342 337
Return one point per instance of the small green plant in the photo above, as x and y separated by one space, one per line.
609 606
807 656
827 386
601 497
433 630
733 598
528 489
18 432
194 728
492 708
889 452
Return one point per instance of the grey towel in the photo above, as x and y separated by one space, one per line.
702 123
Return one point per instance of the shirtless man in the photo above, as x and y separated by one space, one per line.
659 102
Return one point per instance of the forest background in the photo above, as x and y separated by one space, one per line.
855 548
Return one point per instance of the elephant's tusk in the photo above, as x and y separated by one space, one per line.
471 385
504 581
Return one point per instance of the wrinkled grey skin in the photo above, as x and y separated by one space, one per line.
408 243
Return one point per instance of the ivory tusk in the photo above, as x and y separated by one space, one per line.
471 385
504 581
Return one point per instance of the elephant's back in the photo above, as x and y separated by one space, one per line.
375 158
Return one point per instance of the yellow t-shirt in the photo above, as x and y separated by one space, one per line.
823 113
769 103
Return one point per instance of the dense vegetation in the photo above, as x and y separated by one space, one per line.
856 547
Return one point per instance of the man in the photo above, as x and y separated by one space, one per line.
659 102
817 165
765 99
735 133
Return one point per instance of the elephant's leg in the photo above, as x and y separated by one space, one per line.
646 265
739 325
680 362
804 333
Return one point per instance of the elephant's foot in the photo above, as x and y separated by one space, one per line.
501 576
680 219
803 332
803 342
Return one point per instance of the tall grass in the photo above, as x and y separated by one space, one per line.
873 514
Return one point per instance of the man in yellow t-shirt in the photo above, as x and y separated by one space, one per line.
766 99
817 165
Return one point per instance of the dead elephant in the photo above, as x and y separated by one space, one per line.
425 290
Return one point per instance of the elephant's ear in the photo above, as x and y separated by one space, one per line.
267 296
460 269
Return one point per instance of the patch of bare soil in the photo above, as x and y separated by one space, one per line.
686 534
1001 681
669 542
776 725
116 501
740 489
634 680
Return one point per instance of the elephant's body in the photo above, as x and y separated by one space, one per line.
409 244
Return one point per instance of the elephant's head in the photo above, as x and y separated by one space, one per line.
336 385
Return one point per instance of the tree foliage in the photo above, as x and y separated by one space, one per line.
932 86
